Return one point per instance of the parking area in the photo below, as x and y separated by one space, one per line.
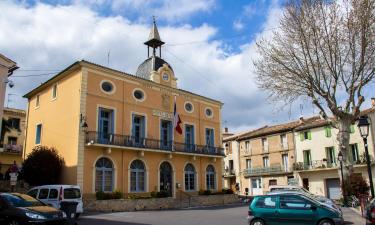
228 215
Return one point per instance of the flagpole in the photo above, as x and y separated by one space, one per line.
174 122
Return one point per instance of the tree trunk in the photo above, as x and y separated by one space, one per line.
343 138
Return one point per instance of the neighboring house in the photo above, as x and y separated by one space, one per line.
7 67
267 157
14 137
231 168
317 166
115 130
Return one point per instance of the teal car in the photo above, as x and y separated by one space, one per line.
291 209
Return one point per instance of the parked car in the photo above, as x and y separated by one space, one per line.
320 198
53 195
370 212
308 195
23 209
291 208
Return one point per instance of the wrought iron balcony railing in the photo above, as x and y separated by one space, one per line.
93 137
9 148
229 173
321 164
274 169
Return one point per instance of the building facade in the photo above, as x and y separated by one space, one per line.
266 157
231 172
7 67
317 166
13 139
116 130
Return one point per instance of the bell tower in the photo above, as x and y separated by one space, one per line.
154 40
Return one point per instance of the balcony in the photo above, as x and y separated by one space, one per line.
229 173
272 170
9 148
320 164
93 138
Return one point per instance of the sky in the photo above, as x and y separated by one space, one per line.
209 43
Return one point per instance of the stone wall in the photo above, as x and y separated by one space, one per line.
122 205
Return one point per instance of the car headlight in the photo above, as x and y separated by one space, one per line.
64 214
35 216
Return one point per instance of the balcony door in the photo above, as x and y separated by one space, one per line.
166 134
138 130
105 125
189 137
210 139
256 186
285 162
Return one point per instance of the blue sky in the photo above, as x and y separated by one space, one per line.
209 43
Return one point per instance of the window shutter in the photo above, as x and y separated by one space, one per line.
143 127
192 135
133 130
352 128
309 134
328 131
302 137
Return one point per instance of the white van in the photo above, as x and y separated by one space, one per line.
53 195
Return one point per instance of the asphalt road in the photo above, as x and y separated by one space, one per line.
229 215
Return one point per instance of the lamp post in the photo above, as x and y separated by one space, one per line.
364 127
341 158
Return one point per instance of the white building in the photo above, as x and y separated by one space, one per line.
7 67
317 166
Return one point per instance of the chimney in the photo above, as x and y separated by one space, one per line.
373 102
225 129
301 120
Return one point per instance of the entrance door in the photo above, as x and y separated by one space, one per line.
333 188
166 183
256 186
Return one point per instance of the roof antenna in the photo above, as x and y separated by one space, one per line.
109 53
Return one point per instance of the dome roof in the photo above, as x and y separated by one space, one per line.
151 64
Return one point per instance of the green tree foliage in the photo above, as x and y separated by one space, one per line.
43 166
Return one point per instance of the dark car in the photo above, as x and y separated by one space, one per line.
370 213
21 209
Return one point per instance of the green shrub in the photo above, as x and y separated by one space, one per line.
160 194
205 192
356 186
100 195
227 191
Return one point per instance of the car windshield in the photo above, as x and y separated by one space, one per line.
20 200
72 193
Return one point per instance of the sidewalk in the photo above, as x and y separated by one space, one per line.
352 217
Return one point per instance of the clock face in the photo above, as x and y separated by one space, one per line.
165 77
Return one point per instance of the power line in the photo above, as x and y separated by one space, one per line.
218 39
33 75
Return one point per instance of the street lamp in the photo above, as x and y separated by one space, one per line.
364 127
341 159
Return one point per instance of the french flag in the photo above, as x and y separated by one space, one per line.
177 119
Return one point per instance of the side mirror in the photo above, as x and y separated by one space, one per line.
313 207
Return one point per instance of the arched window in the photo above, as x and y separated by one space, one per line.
210 178
104 175
189 177
137 176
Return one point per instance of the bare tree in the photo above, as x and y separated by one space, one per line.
323 51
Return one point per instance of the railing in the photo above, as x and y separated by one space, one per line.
93 137
16 149
257 171
320 164
228 173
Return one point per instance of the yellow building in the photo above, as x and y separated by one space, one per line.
11 146
115 130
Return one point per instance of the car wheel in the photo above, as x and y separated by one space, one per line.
326 222
257 222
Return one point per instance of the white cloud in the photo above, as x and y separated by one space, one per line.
238 25
170 10
52 37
